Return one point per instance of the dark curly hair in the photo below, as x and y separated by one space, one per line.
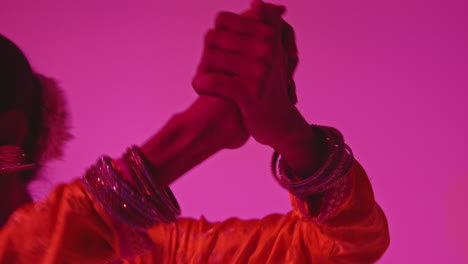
21 90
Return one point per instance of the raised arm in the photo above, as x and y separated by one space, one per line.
71 226
341 222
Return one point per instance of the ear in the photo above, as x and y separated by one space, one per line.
13 128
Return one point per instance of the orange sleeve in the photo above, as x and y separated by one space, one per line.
68 227
357 233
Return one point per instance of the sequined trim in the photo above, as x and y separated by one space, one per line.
141 204
331 183
331 201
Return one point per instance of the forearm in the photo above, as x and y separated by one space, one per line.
303 147
187 139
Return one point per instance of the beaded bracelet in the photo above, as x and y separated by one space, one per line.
331 200
339 161
104 182
133 205
162 198
331 180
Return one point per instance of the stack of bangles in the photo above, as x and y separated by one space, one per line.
331 180
142 203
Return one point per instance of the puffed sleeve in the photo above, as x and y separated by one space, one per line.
67 227
70 227
356 233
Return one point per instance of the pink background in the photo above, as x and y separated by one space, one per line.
391 75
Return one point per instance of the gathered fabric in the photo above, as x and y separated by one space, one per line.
71 227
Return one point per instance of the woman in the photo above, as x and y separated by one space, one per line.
122 208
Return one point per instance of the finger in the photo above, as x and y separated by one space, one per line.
218 85
256 10
279 10
244 26
271 15
289 43
223 86
215 61
258 7
238 44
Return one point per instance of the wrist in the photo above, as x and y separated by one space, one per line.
297 140
211 119
179 145
220 120
294 131
187 139
303 148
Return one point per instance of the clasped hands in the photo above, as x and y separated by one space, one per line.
246 75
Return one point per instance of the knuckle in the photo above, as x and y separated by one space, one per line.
229 60
219 54
266 31
208 56
258 70
246 28
264 49
222 18
213 82
209 36
234 38
196 83
219 18
205 83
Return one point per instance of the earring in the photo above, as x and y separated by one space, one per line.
13 160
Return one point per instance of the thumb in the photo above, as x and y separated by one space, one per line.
270 13
264 11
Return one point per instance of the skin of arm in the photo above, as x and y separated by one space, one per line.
255 101
212 123
207 126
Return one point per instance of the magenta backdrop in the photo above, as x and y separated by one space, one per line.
391 75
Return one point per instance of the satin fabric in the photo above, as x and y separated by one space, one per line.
70 227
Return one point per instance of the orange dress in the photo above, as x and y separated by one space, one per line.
71 227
